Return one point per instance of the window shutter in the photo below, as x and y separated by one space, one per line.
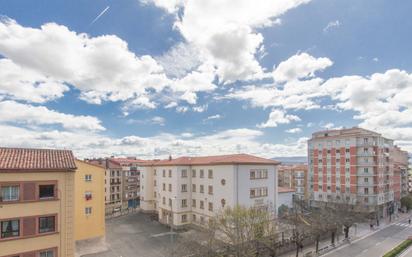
29 191
29 226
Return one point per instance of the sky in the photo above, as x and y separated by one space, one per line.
152 78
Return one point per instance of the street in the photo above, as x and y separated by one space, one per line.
377 243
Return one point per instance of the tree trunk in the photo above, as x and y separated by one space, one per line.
333 238
297 250
317 244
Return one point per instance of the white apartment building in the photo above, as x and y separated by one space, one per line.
189 190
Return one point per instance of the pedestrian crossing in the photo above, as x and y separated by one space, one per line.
403 224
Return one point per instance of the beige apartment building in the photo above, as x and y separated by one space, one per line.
400 161
190 190
37 202
294 176
352 165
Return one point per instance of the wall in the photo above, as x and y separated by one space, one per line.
93 225
64 208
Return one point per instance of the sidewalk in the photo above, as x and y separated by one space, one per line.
356 232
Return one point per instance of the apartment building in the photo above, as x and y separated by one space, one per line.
400 161
89 204
190 190
113 183
37 189
351 165
130 181
294 176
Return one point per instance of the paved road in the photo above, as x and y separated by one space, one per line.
377 244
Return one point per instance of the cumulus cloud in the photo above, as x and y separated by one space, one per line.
13 112
300 66
277 117
293 130
225 33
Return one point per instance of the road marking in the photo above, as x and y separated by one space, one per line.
378 243
162 234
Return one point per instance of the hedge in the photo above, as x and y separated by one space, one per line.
398 249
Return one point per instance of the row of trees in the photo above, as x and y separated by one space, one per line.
246 232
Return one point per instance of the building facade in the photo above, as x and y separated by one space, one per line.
400 161
353 166
190 190
295 177
89 204
37 202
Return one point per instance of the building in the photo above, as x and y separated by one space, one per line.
285 197
113 183
295 177
130 181
351 165
190 190
89 204
37 189
400 161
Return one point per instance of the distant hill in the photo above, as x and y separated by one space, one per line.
291 160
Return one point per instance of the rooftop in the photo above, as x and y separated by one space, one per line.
21 159
212 160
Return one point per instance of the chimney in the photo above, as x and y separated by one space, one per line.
170 157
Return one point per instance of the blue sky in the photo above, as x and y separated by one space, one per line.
178 77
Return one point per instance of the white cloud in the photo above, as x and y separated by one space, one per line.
102 67
332 25
277 117
200 108
28 85
13 112
300 66
225 33
156 120
293 130
214 117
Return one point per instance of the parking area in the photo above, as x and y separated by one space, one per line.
135 235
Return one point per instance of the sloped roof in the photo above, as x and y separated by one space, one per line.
35 159
213 160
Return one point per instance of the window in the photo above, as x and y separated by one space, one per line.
347 160
88 177
210 173
170 202
46 224
202 189
223 182
202 206
366 170
193 173
202 174
184 173
10 228
184 203
184 188
164 187
366 191
210 191
48 253
210 206
258 192
252 174
170 173
88 196
46 191
164 173
193 188
88 210
170 187
10 193
184 218
365 180
194 217
347 150
155 182
164 200
194 203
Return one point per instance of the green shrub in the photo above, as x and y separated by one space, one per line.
406 201
399 248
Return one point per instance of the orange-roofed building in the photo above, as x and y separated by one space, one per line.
37 202
190 190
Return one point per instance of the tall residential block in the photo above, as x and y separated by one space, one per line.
353 166
89 204
37 202
400 160
190 190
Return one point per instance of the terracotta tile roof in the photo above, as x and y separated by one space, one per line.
213 160
36 159
285 190
124 161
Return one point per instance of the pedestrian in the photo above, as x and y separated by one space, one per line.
409 221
